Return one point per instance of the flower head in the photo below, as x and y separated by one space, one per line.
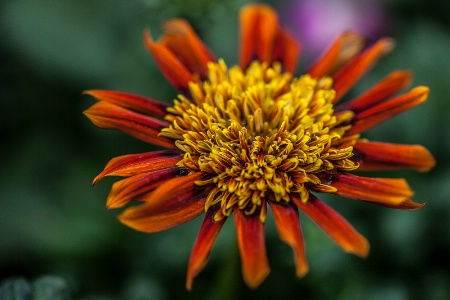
244 138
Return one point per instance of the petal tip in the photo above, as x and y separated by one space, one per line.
97 179
113 202
420 205
429 162
189 285
253 282
422 92
411 205
361 249
89 92
302 271
364 251
387 45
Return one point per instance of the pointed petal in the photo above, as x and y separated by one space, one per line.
202 247
178 75
264 39
386 192
377 156
405 205
344 48
182 41
288 227
286 50
387 87
384 111
334 225
125 190
174 202
133 102
259 24
111 116
133 164
346 77
250 234
376 190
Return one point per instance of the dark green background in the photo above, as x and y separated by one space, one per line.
52 222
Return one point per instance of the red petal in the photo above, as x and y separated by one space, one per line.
334 225
133 102
286 50
346 77
259 24
376 156
205 240
384 111
376 190
288 227
111 116
175 202
264 39
181 39
344 48
391 84
405 205
168 63
250 234
123 191
133 164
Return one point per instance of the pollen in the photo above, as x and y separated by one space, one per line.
261 134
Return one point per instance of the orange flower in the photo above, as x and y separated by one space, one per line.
241 138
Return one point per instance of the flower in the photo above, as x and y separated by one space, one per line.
243 138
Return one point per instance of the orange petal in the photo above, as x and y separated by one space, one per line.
133 164
288 227
384 111
133 102
182 41
334 225
259 25
111 116
376 190
376 156
250 234
344 48
178 75
286 50
264 39
125 190
387 87
346 77
408 204
174 202
205 240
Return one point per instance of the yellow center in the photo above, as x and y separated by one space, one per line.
261 134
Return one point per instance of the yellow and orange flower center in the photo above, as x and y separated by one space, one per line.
261 134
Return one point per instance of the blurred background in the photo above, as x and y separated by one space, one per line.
56 235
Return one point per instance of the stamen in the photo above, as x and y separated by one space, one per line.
261 135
